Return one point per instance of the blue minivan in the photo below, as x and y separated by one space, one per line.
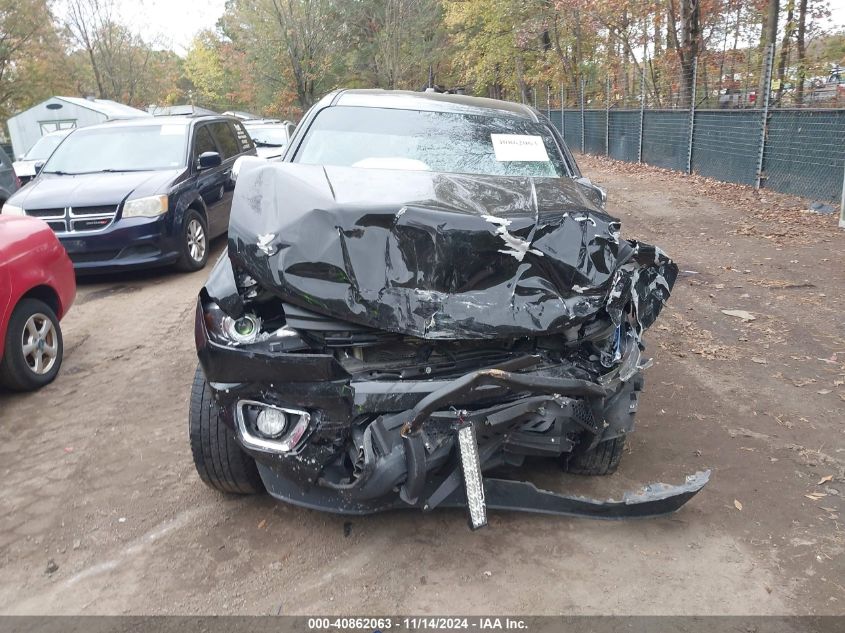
138 193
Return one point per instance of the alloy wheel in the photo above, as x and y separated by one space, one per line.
195 236
40 344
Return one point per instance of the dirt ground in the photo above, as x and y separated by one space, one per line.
97 473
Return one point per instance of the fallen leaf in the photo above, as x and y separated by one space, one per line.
823 392
759 361
737 505
824 479
740 314
815 496
262 524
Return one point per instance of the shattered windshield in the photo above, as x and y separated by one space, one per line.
383 138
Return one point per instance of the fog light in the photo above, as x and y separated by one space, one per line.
271 422
269 428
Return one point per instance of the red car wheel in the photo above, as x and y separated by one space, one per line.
33 348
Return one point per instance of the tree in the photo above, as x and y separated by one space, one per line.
687 14
31 54
124 67
393 43
215 70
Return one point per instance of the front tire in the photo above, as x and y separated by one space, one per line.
602 460
220 461
194 242
34 347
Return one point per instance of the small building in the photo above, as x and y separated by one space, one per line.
62 113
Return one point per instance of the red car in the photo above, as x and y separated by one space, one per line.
37 287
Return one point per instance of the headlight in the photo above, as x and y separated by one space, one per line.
10 209
224 329
248 329
244 330
149 207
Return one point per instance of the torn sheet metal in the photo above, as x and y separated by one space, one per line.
441 256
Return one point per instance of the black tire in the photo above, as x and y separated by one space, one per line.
188 261
16 370
219 460
602 460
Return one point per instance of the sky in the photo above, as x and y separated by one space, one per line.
175 22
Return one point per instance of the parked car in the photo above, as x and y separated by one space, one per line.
37 287
270 138
27 166
8 181
830 89
139 193
737 98
424 289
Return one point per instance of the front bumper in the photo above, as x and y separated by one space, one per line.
125 245
400 435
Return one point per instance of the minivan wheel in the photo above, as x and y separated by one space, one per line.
219 460
33 347
194 242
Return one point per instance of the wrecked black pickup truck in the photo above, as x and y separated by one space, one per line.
422 291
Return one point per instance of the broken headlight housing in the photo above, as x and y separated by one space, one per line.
249 329
229 331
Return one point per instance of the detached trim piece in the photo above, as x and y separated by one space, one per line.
653 500
650 501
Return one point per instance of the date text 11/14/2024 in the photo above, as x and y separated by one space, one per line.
379 625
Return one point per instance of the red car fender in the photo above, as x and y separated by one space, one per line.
31 257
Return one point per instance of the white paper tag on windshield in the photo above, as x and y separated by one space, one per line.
519 147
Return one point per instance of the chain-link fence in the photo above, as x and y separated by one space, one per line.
710 116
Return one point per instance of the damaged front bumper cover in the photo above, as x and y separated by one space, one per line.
413 459
652 500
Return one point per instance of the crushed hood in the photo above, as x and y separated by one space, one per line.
441 256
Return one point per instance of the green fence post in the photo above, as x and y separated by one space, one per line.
842 203
692 113
583 140
562 116
642 115
764 122
607 121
